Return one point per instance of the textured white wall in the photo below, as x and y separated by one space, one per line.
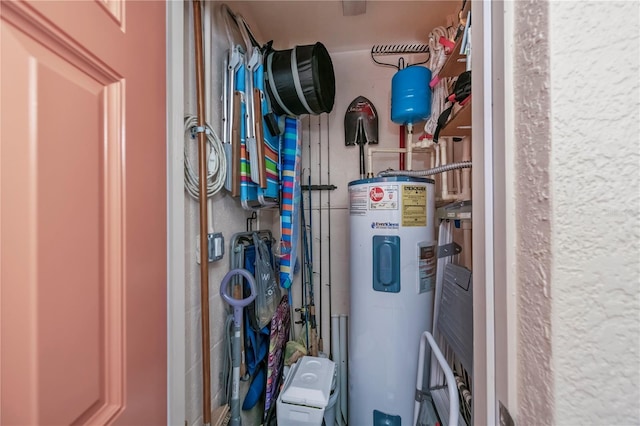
533 203
595 159
578 208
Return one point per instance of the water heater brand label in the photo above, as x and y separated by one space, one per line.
385 225
383 197
414 205
376 193
358 201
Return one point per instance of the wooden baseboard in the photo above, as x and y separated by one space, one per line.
220 416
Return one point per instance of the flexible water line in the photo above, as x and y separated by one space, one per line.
428 172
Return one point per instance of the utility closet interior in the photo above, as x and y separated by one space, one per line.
337 284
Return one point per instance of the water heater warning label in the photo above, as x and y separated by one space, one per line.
427 268
383 197
358 201
414 205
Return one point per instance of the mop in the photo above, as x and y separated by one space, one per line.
238 305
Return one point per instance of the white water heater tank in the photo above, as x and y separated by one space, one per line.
393 265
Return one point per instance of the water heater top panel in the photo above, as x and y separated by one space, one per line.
391 179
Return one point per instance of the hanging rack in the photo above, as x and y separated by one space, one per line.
250 221
399 49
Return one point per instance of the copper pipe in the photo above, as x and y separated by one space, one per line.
204 255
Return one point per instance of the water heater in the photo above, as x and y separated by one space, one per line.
392 276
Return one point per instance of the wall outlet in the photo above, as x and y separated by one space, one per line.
215 247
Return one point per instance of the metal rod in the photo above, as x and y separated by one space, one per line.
318 187
329 222
204 258
320 229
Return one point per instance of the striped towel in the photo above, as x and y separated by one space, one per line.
289 218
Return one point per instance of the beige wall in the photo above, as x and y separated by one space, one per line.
578 208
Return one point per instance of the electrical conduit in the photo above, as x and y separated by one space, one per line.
428 172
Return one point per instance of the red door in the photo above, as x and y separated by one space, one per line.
82 213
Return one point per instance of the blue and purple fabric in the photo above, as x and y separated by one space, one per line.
280 324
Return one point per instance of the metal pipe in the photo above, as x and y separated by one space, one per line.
344 365
335 356
320 327
466 174
444 180
434 171
329 220
204 258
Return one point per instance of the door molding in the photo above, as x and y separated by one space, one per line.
495 316
176 324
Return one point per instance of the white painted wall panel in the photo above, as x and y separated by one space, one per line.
595 190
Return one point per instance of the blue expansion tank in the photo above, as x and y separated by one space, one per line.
411 95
